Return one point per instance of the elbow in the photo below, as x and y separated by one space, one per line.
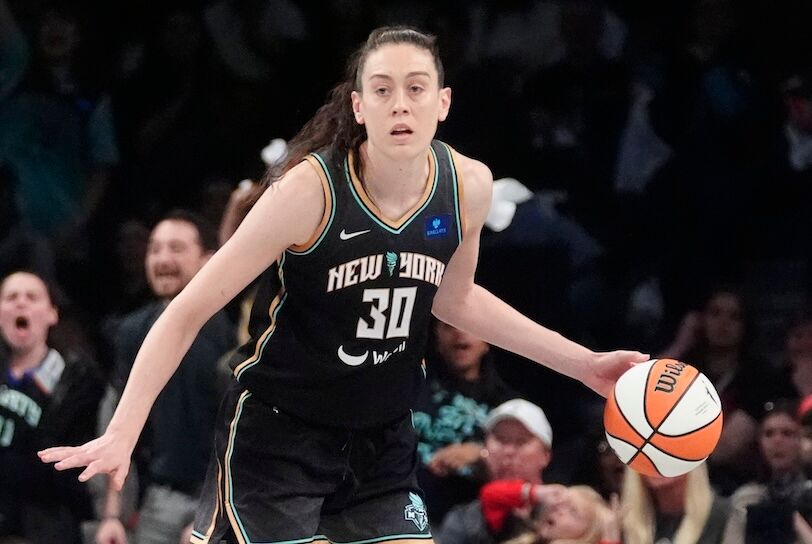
450 309
185 315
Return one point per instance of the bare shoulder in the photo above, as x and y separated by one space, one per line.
303 180
477 181
475 174
295 203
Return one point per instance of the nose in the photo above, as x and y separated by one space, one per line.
400 105
160 256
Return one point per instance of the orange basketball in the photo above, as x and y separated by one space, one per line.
663 418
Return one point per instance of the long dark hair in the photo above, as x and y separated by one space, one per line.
334 123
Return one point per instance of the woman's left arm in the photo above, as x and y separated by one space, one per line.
467 306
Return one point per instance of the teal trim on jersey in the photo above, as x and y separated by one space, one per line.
199 535
456 191
229 453
384 539
273 318
417 212
332 211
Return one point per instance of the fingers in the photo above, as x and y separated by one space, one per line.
119 476
79 459
636 356
92 469
59 453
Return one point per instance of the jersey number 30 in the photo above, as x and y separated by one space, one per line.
387 320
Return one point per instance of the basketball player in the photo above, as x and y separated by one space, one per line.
373 226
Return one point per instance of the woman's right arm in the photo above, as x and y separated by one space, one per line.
288 213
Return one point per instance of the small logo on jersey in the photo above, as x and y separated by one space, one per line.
344 235
391 261
437 226
351 360
416 512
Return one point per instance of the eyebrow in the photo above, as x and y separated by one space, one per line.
410 74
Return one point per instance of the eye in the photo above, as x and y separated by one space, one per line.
381 91
415 89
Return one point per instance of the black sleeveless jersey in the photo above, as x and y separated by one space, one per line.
340 323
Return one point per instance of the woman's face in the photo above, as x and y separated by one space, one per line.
569 518
400 102
780 441
26 311
461 352
723 321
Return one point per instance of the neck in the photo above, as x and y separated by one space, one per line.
24 360
671 499
395 178
470 374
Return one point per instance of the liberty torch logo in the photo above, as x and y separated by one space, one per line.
391 261
416 512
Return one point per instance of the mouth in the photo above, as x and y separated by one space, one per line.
22 323
166 274
401 130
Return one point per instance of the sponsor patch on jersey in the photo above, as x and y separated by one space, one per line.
438 226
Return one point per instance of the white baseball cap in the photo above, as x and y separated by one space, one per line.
526 413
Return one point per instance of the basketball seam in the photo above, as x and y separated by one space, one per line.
674 405
640 452
620 439
645 397
694 430
629 423
674 456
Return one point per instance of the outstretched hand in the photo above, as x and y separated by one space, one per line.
108 454
603 370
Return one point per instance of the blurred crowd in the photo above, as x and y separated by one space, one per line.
654 191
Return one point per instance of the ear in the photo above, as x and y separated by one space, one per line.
548 457
53 317
445 103
355 97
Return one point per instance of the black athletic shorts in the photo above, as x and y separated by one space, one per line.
277 479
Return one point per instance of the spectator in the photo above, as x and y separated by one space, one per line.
763 510
717 341
682 510
45 395
182 421
517 447
462 388
577 516
56 130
